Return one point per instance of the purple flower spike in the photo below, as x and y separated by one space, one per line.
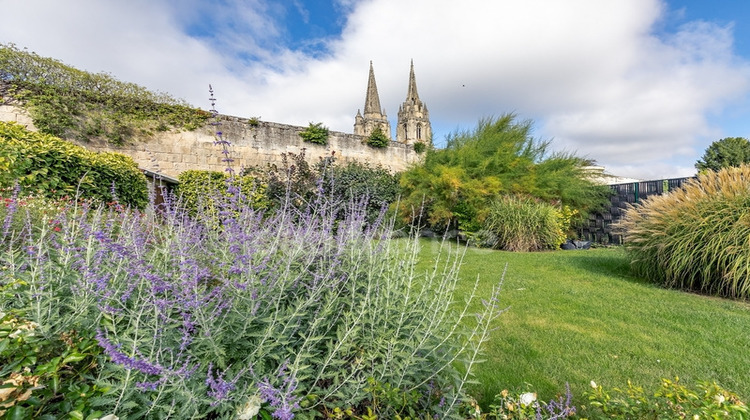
124 360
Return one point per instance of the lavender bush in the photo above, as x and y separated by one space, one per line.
291 313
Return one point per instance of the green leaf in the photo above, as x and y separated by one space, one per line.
77 415
75 357
16 413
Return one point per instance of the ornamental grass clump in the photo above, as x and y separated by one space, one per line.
523 224
293 314
695 238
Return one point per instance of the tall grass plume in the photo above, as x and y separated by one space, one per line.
695 238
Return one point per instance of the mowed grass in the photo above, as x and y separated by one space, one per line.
578 316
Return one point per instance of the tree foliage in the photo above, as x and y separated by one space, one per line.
724 153
454 186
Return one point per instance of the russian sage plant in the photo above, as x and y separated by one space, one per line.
291 313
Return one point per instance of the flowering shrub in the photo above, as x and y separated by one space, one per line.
24 215
526 406
286 314
672 400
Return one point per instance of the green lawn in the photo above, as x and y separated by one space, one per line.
578 316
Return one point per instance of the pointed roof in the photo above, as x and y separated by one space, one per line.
412 94
372 100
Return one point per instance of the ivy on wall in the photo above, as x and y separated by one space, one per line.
70 103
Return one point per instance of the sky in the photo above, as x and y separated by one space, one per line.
642 87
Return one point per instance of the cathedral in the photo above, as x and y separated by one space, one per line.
413 118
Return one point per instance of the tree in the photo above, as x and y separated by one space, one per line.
727 152
454 186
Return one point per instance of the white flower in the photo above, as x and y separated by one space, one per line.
719 398
250 409
527 398
110 417
593 384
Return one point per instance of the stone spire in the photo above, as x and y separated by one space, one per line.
411 94
372 99
413 116
373 116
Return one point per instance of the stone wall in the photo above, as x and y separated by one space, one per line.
172 153
15 114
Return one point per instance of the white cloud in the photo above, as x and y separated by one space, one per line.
594 75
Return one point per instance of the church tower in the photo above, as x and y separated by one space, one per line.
374 116
413 117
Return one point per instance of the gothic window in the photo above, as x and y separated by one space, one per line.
406 132
419 131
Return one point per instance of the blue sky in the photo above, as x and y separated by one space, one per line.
640 86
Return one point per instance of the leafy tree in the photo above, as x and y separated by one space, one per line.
727 152
378 139
315 133
454 186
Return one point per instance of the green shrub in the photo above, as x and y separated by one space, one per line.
58 168
353 182
696 237
293 178
55 372
671 401
525 224
199 190
378 139
420 147
315 133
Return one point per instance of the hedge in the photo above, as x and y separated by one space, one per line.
199 190
56 168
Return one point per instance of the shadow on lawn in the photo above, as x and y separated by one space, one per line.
612 264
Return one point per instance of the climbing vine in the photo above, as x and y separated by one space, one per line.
70 103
